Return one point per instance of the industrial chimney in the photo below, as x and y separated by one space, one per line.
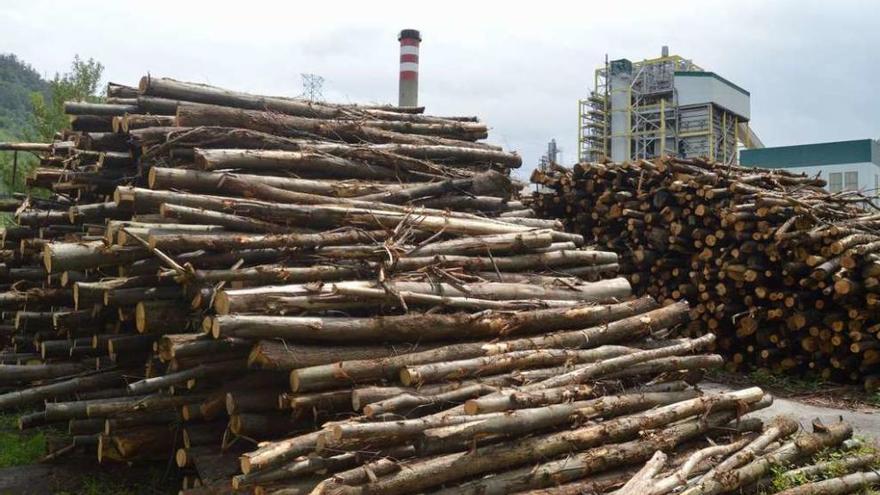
409 68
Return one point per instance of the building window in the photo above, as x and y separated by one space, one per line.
835 182
851 181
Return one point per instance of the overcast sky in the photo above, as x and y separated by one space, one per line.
812 67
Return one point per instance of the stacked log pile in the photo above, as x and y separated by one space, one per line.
783 272
198 244
295 297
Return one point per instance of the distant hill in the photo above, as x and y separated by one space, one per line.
18 80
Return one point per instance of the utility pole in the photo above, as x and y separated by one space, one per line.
313 86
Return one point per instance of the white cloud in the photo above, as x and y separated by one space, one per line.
811 66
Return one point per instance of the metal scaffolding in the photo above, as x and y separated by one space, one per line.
634 112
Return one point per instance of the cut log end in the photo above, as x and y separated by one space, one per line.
294 381
409 377
221 303
214 326
181 458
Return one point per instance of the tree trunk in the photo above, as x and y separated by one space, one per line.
227 220
626 321
59 257
202 93
804 446
33 395
312 165
11 374
280 355
522 262
421 475
280 274
162 316
403 328
597 459
501 363
209 183
277 298
217 369
194 114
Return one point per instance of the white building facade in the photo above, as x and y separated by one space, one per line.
845 165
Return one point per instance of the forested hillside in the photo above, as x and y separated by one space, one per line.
32 108
18 81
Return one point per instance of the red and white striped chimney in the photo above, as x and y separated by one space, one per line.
409 68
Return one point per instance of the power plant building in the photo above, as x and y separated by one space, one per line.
663 106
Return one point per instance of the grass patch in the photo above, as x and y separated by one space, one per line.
16 447
100 485
118 480
835 468
19 448
790 384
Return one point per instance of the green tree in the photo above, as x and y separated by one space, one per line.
80 84
18 80
47 117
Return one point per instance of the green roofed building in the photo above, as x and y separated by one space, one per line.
845 165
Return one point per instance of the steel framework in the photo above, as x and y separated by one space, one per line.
652 123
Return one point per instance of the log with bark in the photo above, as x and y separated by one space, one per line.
777 267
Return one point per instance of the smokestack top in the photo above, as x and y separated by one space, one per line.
409 34
408 96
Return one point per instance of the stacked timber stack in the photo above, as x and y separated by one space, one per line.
293 297
783 272
198 243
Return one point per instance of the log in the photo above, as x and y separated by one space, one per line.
282 297
166 316
193 114
226 220
314 165
218 369
526 421
209 183
626 321
808 444
278 274
251 401
421 475
521 262
849 483
591 461
11 374
405 327
488 183
203 93
88 108
155 402
280 355
261 425
92 123
60 257
500 363
171 346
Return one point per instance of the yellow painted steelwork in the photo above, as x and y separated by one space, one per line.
594 139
